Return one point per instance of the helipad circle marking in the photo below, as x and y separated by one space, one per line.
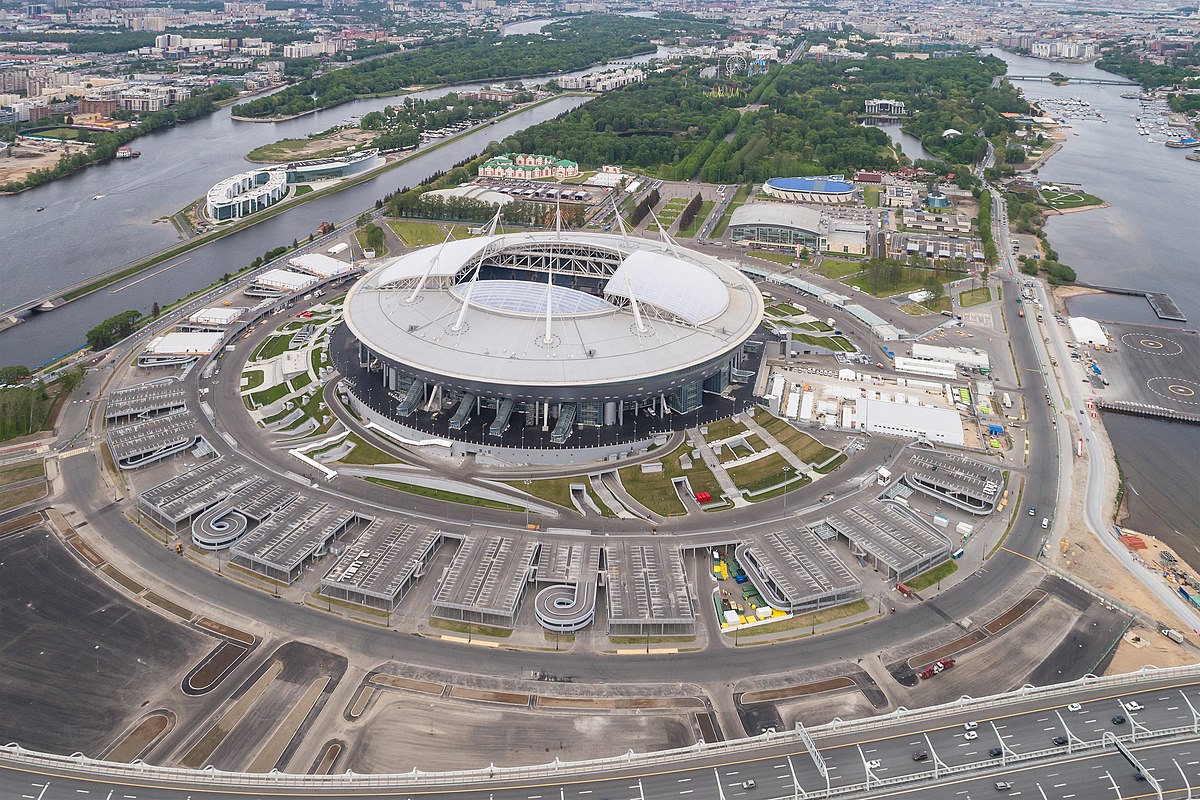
1175 389
1152 344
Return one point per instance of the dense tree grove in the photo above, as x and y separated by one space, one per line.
401 125
1126 60
106 143
797 119
568 45
113 330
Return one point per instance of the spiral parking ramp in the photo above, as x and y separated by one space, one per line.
565 607
219 527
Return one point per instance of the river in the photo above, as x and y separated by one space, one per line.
110 214
1148 239
87 236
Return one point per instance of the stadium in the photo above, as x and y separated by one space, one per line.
547 346
829 189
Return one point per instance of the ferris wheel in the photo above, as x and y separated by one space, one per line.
736 65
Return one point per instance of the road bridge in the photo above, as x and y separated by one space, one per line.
1087 738
1070 79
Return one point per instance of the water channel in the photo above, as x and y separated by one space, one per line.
1146 239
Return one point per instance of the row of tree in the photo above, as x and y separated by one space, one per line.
643 207
688 215
984 223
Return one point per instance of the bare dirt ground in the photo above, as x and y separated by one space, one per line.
1152 649
457 735
28 157
819 709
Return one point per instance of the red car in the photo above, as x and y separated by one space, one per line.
305 314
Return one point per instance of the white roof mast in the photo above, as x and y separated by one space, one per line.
462 312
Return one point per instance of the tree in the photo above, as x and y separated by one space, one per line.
363 220
113 330
154 310
14 373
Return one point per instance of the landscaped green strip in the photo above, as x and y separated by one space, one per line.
418 234
469 628
779 258
838 268
366 454
938 573
449 497
270 395
656 491
809 620
974 297
832 465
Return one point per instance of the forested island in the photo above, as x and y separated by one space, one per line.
562 47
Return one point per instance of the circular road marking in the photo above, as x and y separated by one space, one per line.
1152 344
1181 390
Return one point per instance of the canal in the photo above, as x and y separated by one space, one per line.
1146 239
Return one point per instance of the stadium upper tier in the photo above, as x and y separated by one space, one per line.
543 310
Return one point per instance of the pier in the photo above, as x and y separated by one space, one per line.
1160 302
1146 410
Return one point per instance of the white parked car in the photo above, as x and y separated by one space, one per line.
1134 705
970 726
874 763
969 735
1074 707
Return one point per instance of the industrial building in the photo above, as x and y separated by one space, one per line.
177 348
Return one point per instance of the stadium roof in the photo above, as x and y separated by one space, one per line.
693 308
785 215
811 185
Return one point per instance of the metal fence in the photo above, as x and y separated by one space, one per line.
83 766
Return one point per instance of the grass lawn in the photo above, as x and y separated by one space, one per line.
914 309
269 395
706 208
417 234
976 296
832 465
817 327
361 236
655 490
742 192
22 472
469 628
832 342
761 474
302 189
557 491
802 621
938 573
806 448
441 494
779 258
1059 200
938 305
719 229
271 347
366 454
11 498
59 133
287 150
838 268
253 379
723 429
910 281
871 196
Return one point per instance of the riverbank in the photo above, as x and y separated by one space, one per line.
72 293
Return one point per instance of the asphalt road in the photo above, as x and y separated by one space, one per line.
785 769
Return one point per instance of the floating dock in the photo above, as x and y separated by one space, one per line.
1161 302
